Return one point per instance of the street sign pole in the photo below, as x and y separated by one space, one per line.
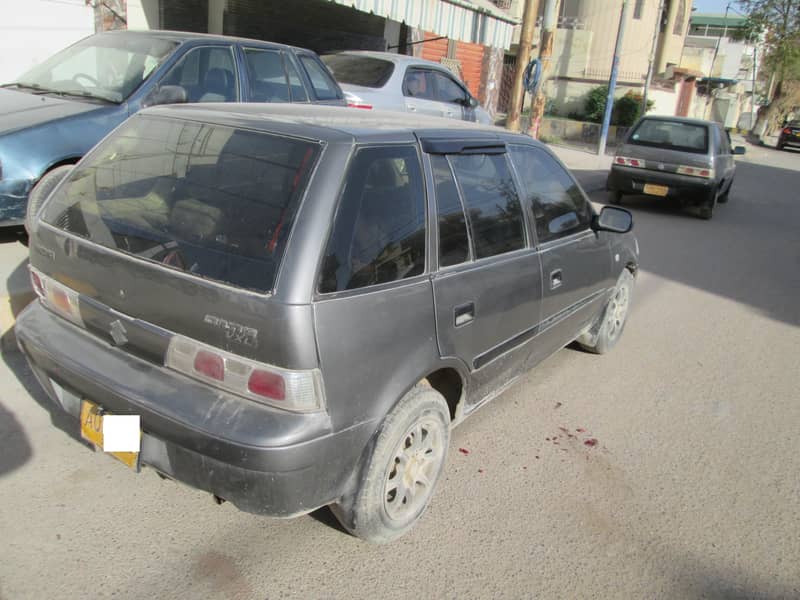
612 84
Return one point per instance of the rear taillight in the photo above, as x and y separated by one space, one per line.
360 105
289 389
696 171
787 131
56 296
628 162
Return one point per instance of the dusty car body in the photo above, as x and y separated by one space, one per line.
686 160
300 303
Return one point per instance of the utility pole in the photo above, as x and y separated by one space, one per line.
549 25
648 80
612 84
523 58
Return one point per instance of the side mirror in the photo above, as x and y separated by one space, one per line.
616 220
739 150
166 94
473 102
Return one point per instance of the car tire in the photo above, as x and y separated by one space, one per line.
706 210
614 316
410 448
723 198
42 190
615 197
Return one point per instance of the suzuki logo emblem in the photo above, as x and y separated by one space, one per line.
118 333
660 166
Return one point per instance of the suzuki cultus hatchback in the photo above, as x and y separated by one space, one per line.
299 304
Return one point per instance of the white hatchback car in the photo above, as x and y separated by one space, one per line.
404 83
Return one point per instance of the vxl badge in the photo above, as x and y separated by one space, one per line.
234 331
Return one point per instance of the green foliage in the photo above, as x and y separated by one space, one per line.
625 112
778 21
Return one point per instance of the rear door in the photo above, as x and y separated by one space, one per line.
576 261
453 96
488 286
419 92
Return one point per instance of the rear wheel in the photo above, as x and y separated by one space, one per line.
706 210
615 197
402 470
42 190
724 197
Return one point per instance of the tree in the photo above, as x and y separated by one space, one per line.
778 21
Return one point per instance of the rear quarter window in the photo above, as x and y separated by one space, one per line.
214 201
671 135
359 70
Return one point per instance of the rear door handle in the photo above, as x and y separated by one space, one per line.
555 279
464 314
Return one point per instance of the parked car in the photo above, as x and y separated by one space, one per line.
293 318
53 114
405 83
688 160
789 135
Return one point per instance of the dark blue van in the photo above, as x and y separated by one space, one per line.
53 114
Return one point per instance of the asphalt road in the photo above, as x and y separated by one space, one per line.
693 490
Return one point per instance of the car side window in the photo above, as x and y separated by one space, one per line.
324 86
296 87
379 230
453 239
208 74
490 197
267 76
447 90
417 83
726 143
559 206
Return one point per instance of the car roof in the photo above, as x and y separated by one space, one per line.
687 120
186 36
398 59
333 123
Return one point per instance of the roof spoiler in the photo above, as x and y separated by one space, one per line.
451 146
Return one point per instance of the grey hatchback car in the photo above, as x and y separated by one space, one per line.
687 160
297 304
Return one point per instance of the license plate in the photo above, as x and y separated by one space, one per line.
655 190
92 431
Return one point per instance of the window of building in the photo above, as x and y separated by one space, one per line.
680 18
637 9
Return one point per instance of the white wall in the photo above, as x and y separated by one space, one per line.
664 102
32 30
143 14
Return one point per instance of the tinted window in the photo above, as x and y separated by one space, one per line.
207 74
295 83
491 201
324 87
213 201
674 135
448 90
266 74
419 84
379 230
359 70
453 240
558 205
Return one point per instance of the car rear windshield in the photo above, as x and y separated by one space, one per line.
214 201
359 70
672 135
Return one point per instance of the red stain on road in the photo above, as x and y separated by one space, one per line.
463 451
591 442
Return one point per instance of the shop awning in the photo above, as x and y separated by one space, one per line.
477 21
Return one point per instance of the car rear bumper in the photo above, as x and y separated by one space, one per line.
793 141
263 460
687 189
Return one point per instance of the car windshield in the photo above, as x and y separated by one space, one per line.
106 67
672 135
359 70
214 201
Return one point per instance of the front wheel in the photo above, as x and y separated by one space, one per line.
614 316
402 470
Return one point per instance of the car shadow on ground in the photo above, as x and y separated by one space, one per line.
747 252
15 450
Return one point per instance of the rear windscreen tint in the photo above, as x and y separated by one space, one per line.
359 70
214 201
672 135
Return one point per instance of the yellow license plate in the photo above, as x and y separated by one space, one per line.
655 190
92 431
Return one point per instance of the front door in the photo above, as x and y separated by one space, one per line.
488 286
576 261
